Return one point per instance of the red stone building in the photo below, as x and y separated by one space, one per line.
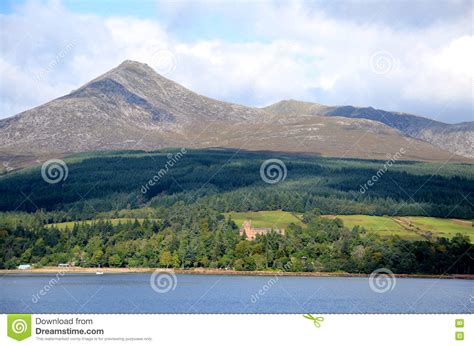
251 232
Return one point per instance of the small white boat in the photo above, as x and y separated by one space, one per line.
99 272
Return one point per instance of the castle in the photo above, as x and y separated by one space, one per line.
251 232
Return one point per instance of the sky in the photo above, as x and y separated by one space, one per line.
408 56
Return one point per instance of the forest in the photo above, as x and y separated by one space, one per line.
178 222
229 180
198 237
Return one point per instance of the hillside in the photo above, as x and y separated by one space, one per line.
190 217
230 180
455 138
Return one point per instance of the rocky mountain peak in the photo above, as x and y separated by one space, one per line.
134 107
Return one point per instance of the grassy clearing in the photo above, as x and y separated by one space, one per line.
272 219
441 227
383 225
407 227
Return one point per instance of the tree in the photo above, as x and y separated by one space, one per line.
166 259
260 261
115 261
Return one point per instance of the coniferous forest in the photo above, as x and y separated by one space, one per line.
178 222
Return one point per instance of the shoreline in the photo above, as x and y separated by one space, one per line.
202 271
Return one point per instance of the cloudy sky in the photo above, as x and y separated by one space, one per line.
410 56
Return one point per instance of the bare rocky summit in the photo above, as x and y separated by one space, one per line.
133 107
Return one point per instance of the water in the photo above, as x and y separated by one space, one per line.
132 293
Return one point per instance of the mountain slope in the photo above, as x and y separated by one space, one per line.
455 138
130 106
133 107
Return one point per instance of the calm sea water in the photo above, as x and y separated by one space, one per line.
132 293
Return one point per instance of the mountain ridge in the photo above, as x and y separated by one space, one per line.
432 131
133 107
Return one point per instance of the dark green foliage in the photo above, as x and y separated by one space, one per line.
230 181
191 232
195 236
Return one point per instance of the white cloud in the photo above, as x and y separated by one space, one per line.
295 53
446 73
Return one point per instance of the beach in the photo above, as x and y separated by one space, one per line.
205 271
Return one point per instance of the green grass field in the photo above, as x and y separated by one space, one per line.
271 219
442 227
383 225
70 224
409 227
406 227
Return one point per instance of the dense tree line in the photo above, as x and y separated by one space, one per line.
195 236
228 181
184 227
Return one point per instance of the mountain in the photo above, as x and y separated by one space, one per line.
133 107
455 138
130 106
